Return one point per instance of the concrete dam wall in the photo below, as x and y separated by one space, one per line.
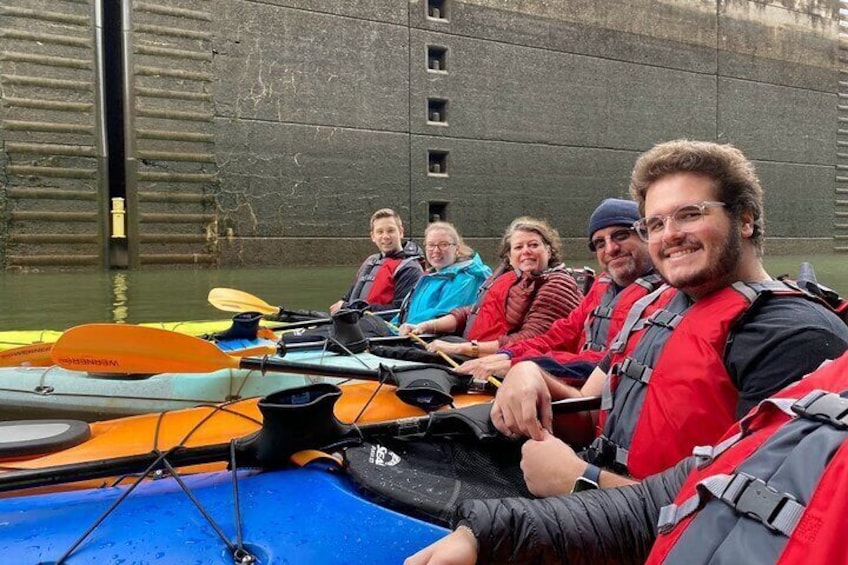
238 132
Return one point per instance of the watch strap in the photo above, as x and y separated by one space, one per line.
592 473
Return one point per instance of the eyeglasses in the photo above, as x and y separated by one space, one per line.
444 246
683 219
618 236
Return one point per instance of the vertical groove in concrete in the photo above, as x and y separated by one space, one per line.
840 219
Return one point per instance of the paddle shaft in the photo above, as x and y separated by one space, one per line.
417 339
384 340
419 425
130 464
278 365
184 456
322 321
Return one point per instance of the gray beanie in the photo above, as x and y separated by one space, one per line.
612 212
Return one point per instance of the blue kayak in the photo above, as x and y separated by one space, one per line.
303 516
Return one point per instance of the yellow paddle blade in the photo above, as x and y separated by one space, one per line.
232 300
33 355
122 348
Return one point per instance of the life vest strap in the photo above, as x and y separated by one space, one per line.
747 495
606 453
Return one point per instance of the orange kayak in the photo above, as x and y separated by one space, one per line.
210 425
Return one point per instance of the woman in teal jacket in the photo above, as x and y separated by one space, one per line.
455 275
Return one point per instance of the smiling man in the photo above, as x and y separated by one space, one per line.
386 277
694 356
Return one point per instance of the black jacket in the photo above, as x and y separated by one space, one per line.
615 525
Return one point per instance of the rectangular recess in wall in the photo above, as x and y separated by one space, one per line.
437 211
437 111
437 9
437 163
437 59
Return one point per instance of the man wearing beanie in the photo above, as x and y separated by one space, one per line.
573 345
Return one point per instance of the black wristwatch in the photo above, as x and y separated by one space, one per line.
588 480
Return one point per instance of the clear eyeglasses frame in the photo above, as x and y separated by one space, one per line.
683 219
444 246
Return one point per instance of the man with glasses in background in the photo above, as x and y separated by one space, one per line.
574 345
694 355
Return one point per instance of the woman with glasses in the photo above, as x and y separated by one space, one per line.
531 291
455 274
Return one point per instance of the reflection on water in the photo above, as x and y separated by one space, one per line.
62 300
120 309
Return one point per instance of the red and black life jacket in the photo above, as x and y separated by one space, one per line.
605 319
603 312
374 281
668 389
775 490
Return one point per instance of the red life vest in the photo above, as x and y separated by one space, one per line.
607 319
775 490
668 389
489 320
375 282
600 316
596 325
382 289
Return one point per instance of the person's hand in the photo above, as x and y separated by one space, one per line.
550 466
469 366
457 548
497 364
417 329
522 405
335 307
447 347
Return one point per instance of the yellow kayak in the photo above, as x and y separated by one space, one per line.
17 338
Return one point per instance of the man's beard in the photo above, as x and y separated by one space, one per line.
718 274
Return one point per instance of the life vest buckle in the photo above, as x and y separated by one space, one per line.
603 452
826 407
634 370
755 499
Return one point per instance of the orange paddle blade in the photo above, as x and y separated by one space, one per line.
232 300
33 355
121 348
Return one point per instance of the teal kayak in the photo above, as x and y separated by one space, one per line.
54 392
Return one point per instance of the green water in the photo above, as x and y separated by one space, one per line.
62 300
